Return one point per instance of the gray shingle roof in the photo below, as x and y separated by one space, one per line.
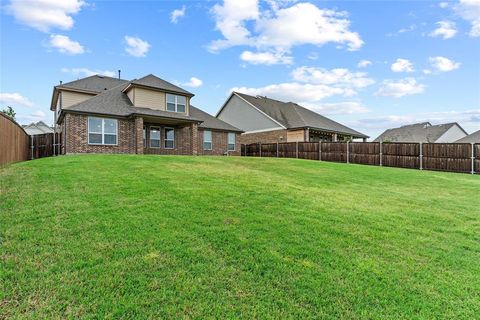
155 82
471 138
292 115
37 128
115 102
418 132
95 83
210 122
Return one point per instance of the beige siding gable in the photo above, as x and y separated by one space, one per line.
152 99
70 98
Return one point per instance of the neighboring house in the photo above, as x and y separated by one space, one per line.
37 128
424 132
100 114
267 120
471 138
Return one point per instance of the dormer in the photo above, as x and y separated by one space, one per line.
157 94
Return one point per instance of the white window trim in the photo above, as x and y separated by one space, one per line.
102 133
234 141
165 137
211 140
150 137
176 102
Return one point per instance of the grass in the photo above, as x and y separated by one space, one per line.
213 237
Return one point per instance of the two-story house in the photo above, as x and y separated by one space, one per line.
100 114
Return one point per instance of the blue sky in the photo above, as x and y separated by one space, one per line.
368 64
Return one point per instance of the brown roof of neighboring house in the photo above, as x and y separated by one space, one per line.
418 132
292 115
471 138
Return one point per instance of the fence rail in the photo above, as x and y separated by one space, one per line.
453 157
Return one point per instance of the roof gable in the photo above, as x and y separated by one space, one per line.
471 138
417 132
155 82
291 115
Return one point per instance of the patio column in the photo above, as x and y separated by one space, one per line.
194 138
335 138
139 135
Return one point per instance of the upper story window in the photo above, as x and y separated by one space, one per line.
102 131
207 140
231 141
176 103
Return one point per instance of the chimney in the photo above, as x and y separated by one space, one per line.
61 82
119 71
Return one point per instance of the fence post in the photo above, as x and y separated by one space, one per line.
381 154
421 156
473 158
296 146
31 146
277 149
260 149
320 150
348 152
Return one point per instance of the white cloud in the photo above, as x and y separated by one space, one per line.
400 88
310 85
243 23
427 71
136 47
346 107
402 65
391 121
176 14
469 10
364 64
443 64
194 83
35 116
65 45
88 72
443 5
45 14
445 29
15 99
340 77
293 91
267 58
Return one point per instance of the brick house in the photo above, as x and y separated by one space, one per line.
100 114
266 120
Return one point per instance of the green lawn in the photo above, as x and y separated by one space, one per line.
215 237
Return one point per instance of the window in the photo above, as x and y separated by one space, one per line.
154 137
176 103
207 140
169 138
231 141
102 131
144 136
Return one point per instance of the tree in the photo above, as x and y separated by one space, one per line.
10 112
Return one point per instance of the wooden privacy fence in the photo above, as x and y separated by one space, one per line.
14 141
454 157
17 145
45 145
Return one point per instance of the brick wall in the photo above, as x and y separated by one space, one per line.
182 143
219 144
264 137
76 137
